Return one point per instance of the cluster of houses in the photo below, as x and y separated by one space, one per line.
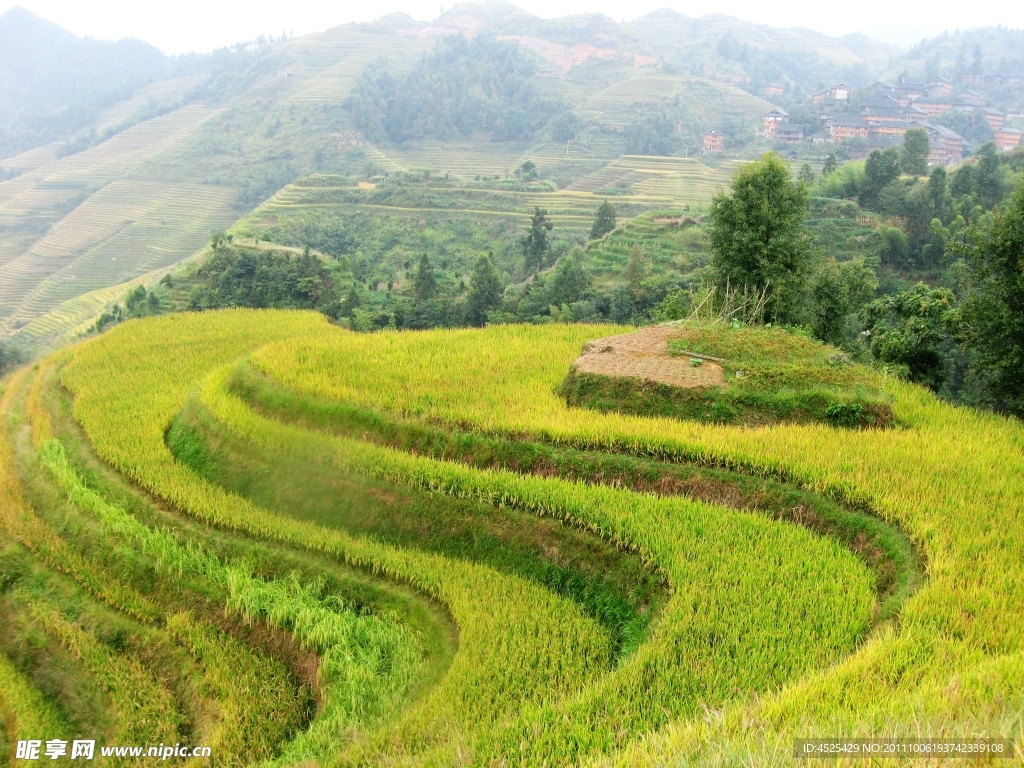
884 120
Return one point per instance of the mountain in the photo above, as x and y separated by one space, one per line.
755 54
974 51
52 81
472 135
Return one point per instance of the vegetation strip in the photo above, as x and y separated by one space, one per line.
888 551
691 541
546 647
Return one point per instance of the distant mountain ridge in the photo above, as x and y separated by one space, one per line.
52 81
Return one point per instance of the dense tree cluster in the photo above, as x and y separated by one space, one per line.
464 86
756 238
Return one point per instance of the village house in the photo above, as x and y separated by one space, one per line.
912 89
939 88
771 119
789 133
933 106
887 110
840 92
845 128
890 128
967 96
945 146
1003 78
994 118
771 90
714 141
1007 138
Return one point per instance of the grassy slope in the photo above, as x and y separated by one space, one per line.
187 653
954 661
605 701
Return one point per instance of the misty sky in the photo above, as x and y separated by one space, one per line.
200 25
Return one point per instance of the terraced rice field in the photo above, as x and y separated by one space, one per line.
465 159
125 230
671 247
87 222
399 570
616 105
567 209
683 181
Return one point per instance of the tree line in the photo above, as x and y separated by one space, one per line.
967 342
463 86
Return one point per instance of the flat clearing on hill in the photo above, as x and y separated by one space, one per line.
645 354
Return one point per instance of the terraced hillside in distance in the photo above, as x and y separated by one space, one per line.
127 209
399 571
94 219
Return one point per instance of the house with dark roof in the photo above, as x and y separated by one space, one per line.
845 128
993 117
1007 138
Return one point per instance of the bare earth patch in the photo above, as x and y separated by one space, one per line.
644 354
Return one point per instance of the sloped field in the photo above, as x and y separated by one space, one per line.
86 222
708 99
441 574
123 231
683 181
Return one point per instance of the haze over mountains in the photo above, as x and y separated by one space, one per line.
121 161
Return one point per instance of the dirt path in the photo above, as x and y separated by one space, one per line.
644 354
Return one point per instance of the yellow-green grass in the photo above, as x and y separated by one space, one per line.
950 477
125 230
246 698
518 643
250 713
949 665
698 546
709 99
367 665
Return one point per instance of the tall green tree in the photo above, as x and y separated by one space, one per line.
840 289
830 165
484 291
425 283
993 310
914 152
989 176
570 284
757 239
806 174
535 244
908 329
939 194
880 169
604 221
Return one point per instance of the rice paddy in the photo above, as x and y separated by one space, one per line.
513 581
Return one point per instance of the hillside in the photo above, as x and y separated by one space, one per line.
600 108
52 82
396 569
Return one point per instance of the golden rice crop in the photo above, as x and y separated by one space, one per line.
763 637
951 477
519 643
